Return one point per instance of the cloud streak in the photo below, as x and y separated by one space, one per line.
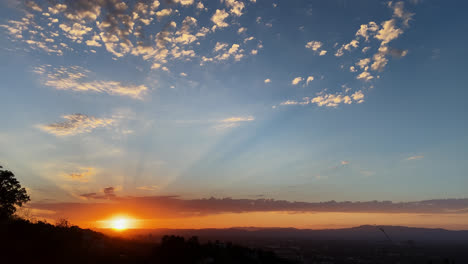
174 206
75 79
76 124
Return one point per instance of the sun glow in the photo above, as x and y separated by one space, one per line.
119 224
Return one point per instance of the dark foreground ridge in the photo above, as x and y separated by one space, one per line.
24 242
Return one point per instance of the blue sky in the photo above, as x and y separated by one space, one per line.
277 99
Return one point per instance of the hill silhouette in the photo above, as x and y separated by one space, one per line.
22 241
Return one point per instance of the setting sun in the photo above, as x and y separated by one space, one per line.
119 224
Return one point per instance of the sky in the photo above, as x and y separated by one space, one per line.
310 114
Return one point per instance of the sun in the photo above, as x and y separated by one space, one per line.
119 224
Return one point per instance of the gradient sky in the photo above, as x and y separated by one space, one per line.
289 100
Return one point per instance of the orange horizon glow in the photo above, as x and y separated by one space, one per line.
118 223
123 222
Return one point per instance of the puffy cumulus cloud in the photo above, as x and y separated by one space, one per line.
348 47
201 6
32 5
75 79
76 31
76 124
164 12
184 2
184 35
236 7
121 28
367 30
333 100
388 32
248 39
27 31
94 41
58 8
267 81
380 59
223 53
232 122
86 10
219 46
314 45
322 52
363 63
309 79
219 17
365 49
297 80
365 76
329 99
241 30
400 12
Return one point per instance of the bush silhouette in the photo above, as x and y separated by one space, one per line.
11 194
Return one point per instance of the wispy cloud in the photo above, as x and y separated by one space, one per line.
415 157
232 122
74 78
76 124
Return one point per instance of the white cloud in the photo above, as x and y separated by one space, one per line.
94 41
248 39
76 31
366 29
236 7
241 30
184 2
219 17
267 81
322 52
164 12
219 46
399 12
57 8
388 32
366 76
309 79
363 63
314 45
33 6
297 80
349 46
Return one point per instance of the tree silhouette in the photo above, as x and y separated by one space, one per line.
11 194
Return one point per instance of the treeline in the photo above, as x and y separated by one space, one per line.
22 241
